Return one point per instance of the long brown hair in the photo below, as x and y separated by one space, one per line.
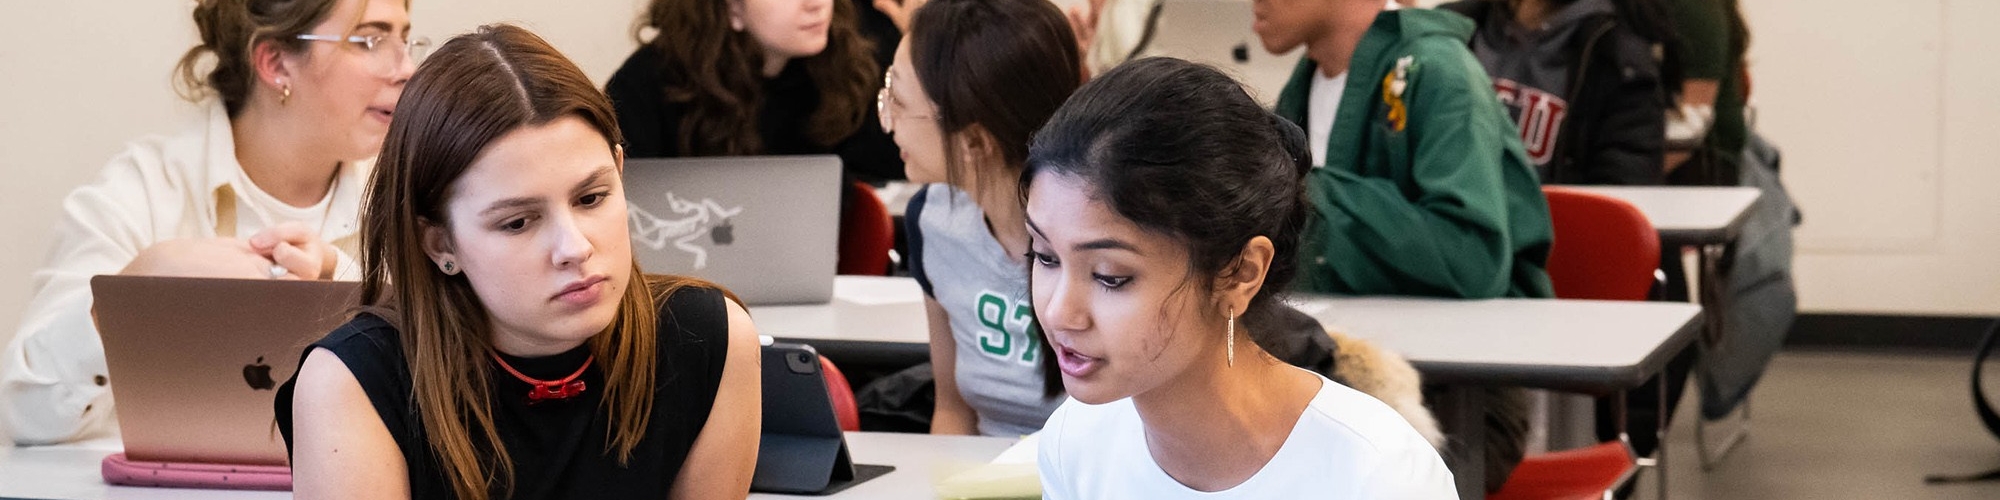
715 71
477 88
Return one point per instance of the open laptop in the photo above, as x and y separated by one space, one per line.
1219 33
765 227
194 361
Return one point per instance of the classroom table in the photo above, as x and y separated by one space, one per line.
1687 215
871 320
71 471
1592 347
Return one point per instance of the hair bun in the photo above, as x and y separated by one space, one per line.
1297 146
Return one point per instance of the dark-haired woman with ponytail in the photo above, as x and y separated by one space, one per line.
970 85
1164 208
298 98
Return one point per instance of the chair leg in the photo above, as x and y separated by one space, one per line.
1714 302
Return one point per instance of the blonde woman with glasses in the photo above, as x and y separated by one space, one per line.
299 96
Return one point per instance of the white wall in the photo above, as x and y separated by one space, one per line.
1890 124
1887 115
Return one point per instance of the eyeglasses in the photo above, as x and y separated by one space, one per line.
382 50
883 104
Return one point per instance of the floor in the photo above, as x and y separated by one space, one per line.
1845 425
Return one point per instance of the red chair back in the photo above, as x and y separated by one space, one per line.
1605 249
842 395
867 233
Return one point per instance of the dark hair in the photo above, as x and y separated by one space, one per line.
1005 65
479 87
1181 150
716 71
231 30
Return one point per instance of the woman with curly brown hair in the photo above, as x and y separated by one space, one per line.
754 77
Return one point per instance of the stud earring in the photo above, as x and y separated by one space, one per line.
450 268
1232 337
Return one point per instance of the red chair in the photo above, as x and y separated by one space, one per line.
1605 249
867 233
842 396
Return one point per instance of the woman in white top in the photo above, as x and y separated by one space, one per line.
1164 208
300 95
969 86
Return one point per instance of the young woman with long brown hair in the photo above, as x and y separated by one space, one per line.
298 96
754 77
509 345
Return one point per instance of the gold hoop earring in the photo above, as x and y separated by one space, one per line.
1232 337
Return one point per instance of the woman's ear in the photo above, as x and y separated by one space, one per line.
437 245
976 145
736 15
618 157
1240 281
274 67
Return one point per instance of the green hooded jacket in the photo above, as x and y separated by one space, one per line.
1426 189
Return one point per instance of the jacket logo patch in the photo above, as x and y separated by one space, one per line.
1393 85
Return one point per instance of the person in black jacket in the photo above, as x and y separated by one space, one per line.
1582 82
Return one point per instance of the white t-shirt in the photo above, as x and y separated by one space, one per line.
257 210
1346 445
1322 103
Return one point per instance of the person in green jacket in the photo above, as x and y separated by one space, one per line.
1425 188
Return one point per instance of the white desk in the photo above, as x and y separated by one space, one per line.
871 319
71 471
1589 346
1687 215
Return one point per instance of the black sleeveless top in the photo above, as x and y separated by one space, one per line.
559 449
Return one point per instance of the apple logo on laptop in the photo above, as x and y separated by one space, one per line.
723 234
258 375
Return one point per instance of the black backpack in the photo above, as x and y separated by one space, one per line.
1980 404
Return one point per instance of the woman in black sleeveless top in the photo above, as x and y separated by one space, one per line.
508 345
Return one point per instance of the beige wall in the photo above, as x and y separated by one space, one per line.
1890 124
1888 117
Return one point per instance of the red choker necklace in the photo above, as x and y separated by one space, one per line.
550 390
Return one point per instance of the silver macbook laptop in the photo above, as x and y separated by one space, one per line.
1219 33
194 361
765 227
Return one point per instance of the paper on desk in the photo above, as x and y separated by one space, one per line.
872 291
1012 475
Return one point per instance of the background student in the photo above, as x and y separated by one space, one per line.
753 77
1165 210
1424 187
509 345
299 97
1582 82
970 85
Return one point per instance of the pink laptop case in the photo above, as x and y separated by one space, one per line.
120 471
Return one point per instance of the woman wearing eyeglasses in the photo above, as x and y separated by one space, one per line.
299 97
969 86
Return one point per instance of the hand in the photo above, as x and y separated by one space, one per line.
200 257
899 11
296 247
1084 23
